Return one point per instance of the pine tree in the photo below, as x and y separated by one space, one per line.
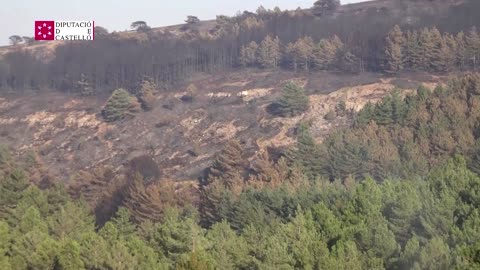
213 198
426 47
228 166
230 250
438 52
435 255
176 236
119 105
142 202
461 52
146 94
394 54
410 254
83 86
449 49
300 54
12 185
474 164
292 56
326 51
347 61
266 173
473 47
69 257
293 101
306 153
248 54
269 52
325 7
5 157
413 50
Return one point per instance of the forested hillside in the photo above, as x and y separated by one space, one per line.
419 211
356 38
336 137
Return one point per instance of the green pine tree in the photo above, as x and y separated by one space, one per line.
439 51
293 101
461 51
306 153
473 47
413 50
119 105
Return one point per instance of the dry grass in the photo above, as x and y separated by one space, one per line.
52 122
235 84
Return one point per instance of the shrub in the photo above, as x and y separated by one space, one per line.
119 105
4 132
190 95
169 104
4 154
145 166
58 122
109 134
195 150
164 122
330 116
341 108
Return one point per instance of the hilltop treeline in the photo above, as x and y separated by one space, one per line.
295 40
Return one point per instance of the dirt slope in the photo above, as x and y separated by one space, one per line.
69 134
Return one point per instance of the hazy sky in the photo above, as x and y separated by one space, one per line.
18 16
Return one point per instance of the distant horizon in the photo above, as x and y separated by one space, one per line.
117 15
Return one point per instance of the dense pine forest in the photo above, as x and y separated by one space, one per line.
398 190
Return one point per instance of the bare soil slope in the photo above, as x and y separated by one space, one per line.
69 134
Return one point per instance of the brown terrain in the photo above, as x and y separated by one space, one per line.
69 134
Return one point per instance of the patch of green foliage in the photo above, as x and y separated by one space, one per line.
292 102
120 105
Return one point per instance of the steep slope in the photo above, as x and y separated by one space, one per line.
69 134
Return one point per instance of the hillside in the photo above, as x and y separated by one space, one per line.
69 133
293 207
338 137
399 12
